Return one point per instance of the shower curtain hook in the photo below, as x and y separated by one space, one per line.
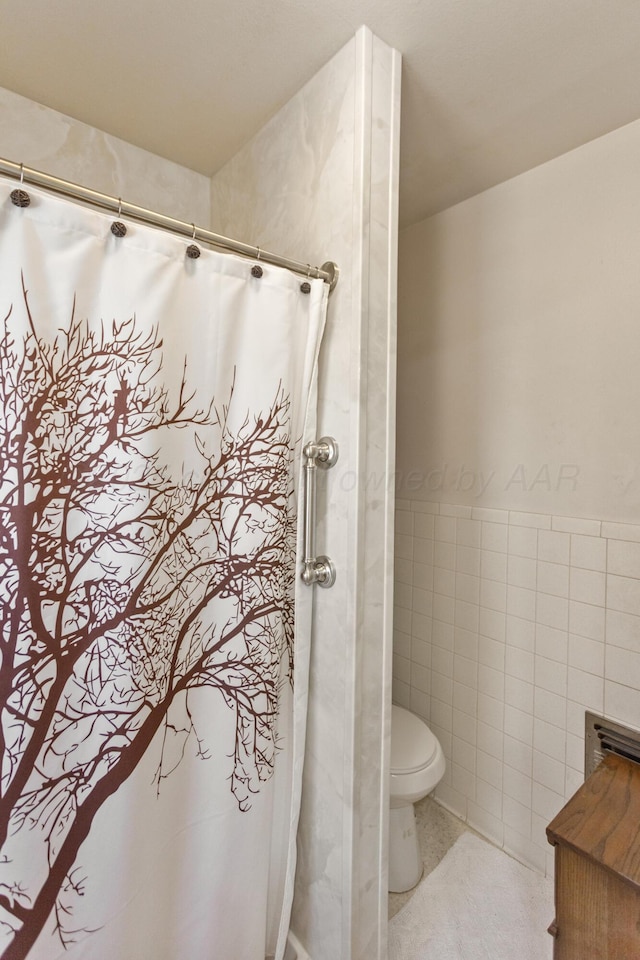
306 286
256 269
193 251
118 228
20 198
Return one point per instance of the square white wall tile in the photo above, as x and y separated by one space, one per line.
423 575
518 724
589 553
586 620
403 521
552 643
518 755
423 525
491 653
516 815
550 707
486 822
549 740
493 595
623 558
442 634
421 627
403 546
402 619
553 578
401 693
519 693
551 675
423 551
444 555
465 643
549 772
444 582
623 630
587 655
465 698
468 560
554 547
552 611
623 594
493 565
489 740
467 615
469 532
495 536
622 666
465 727
587 586
521 572
420 704
492 623
521 633
521 602
467 588
445 529
402 644
523 542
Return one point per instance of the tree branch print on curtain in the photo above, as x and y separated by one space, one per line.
124 587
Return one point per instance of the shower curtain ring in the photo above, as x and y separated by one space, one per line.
193 251
306 286
20 198
256 269
118 228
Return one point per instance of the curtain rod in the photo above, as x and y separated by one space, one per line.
327 272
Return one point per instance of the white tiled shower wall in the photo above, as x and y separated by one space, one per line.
507 627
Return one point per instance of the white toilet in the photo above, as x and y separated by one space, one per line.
417 766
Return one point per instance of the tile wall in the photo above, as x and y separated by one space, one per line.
507 627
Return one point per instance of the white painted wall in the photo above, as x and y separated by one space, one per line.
518 532
520 346
320 182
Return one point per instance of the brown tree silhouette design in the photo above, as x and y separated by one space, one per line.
123 588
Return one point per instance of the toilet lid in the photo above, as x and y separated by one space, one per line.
413 746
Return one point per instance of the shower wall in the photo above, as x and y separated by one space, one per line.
54 143
518 525
319 182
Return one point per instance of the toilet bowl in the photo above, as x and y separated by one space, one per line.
417 766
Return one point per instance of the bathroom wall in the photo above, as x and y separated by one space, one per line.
518 528
63 147
318 183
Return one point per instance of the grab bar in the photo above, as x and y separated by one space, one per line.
320 570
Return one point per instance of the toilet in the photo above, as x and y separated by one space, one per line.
417 767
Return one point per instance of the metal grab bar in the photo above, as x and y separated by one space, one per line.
320 570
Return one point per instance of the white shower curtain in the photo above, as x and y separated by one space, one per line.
154 634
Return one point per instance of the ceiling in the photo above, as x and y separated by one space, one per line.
490 88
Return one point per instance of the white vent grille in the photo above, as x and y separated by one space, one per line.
604 736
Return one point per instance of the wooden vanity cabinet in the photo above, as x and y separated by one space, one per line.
597 866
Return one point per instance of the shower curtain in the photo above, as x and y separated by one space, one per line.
154 634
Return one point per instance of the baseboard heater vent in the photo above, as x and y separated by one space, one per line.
604 736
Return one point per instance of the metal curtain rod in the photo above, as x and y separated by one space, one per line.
327 272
